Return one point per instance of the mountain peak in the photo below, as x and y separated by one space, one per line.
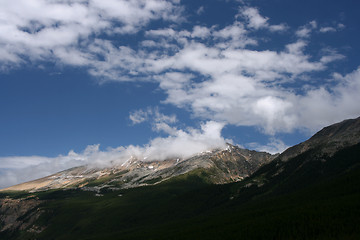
223 165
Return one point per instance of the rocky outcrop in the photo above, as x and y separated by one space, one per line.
235 164
19 214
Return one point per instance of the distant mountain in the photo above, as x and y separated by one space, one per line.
310 191
222 166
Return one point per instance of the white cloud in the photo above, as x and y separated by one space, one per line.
153 114
278 27
15 170
340 26
326 105
241 86
327 29
273 147
41 29
238 81
229 82
200 32
159 121
275 114
178 144
184 144
200 10
256 21
304 31
233 36
138 116
336 28
331 57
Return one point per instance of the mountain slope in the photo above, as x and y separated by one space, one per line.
331 152
330 139
223 166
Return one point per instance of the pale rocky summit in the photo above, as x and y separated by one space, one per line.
220 165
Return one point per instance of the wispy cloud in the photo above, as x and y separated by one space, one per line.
305 31
273 146
257 21
327 29
200 10
159 121
335 28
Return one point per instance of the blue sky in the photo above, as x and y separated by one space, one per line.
90 81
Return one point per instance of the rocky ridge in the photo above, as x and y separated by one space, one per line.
222 166
330 139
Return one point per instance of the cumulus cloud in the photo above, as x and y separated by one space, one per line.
241 100
178 144
326 105
185 143
238 88
42 29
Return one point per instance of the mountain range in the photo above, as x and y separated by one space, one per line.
225 165
310 191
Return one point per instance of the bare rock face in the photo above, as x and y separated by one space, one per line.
224 166
235 164
19 214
